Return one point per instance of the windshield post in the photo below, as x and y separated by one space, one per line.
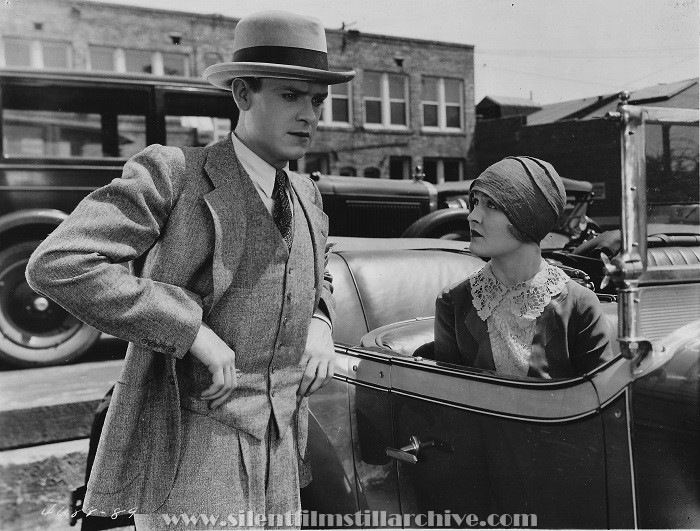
628 268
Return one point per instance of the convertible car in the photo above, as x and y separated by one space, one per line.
398 434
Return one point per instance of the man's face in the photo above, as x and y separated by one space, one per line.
281 121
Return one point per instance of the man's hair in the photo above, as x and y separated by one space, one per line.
253 83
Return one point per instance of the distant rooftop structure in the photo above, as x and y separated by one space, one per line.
503 107
680 94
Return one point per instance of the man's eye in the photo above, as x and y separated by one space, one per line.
317 102
289 96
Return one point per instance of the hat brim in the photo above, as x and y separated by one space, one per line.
222 74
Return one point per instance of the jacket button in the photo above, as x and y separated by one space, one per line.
171 350
272 392
144 341
171 380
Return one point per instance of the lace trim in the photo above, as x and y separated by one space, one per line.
511 313
527 299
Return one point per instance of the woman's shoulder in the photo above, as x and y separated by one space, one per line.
457 291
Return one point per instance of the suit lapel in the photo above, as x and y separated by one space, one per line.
229 210
318 223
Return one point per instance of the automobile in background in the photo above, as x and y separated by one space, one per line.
64 134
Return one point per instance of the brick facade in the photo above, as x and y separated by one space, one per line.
202 38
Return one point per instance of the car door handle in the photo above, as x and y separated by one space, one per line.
409 453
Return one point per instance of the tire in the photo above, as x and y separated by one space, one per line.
35 331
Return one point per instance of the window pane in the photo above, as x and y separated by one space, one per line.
372 86
452 116
348 171
430 170
430 115
452 90
51 134
398 113
451 169
194 130
430 89
174 64
316 162
132 134
398 167
101 58
138 61
373 173
373 112
55 55
17 52
397 86
340 110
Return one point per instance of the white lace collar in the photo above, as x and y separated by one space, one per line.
527 299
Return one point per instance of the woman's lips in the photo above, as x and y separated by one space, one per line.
475 234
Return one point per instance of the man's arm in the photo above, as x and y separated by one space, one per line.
319 354
82 264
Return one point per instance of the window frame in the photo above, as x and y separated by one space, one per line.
442 105
327 119
386 100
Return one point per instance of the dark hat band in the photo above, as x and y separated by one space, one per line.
282 55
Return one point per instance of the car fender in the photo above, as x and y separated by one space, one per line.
16 223
437 223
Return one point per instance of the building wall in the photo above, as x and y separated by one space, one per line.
204 38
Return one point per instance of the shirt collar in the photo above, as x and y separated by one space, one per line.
259 171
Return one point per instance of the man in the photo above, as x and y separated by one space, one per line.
227 305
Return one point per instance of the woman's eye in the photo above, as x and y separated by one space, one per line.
492 205
474 201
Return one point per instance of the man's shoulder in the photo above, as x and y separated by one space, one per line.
304 182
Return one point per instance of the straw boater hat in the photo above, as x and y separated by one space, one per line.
280 45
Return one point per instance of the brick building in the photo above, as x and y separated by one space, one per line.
412 102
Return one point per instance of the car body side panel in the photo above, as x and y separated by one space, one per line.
487 464
666 441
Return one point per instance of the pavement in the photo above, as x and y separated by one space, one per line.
45 420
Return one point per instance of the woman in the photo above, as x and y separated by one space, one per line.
519 315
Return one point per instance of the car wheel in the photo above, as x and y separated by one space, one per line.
35 331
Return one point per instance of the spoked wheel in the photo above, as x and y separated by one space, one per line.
34 330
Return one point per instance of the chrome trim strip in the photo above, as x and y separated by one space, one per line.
49 188
670 115
495 414
572 401
611 383
671 274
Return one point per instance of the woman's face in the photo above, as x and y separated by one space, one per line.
489 228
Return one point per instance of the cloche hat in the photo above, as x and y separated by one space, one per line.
277 44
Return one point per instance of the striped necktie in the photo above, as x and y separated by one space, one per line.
282 211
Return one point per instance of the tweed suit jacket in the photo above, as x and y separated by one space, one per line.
173 212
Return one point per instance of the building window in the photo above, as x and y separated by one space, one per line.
56 55
138 61
442 103
336 109
348 171
102 58
175 64
385 98
399 167
316 162
17 52
439 170
373 173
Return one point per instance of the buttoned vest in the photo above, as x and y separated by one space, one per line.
264 317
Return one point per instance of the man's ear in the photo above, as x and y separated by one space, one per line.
241 94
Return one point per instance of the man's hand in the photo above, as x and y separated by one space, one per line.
211 350
318 358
